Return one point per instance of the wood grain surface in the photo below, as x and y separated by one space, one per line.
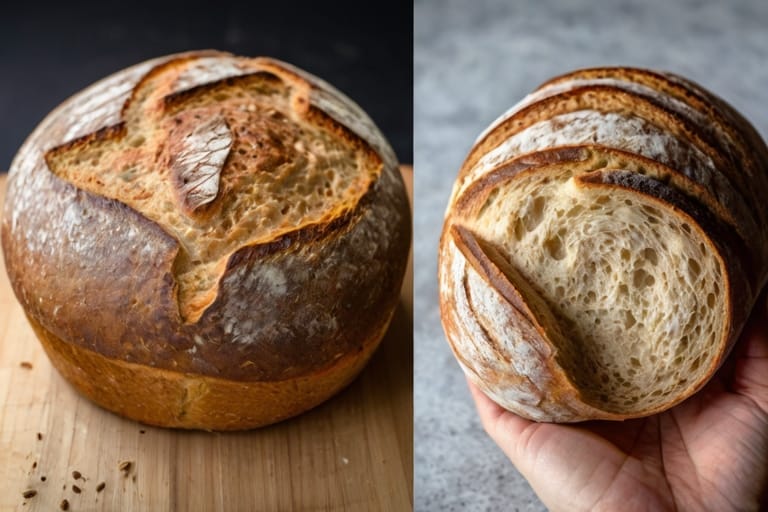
353 452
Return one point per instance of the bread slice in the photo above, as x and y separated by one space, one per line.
595 263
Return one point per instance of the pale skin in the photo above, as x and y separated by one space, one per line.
709 453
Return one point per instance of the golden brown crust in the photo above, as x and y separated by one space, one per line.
167 398
549 391
744 156
602 99
166 63
98 275
721 115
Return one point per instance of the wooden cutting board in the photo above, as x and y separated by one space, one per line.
354 452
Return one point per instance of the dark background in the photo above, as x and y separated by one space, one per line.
49 52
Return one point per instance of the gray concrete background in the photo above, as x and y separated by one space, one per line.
475 59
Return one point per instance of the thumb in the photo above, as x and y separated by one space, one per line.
751 359
570 468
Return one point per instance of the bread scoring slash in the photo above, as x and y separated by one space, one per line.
207 241
603 248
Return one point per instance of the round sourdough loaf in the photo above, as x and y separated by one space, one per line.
603 246
207 241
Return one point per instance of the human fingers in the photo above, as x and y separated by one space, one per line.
503 426
750 377
569 467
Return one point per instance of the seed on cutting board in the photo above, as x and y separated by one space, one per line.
42 478
26 365
125 467
34 465
101 486
76 489
76 475
39 436
29 493
64 505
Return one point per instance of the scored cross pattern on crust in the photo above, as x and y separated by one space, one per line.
220 164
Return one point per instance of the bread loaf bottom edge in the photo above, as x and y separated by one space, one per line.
166 398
